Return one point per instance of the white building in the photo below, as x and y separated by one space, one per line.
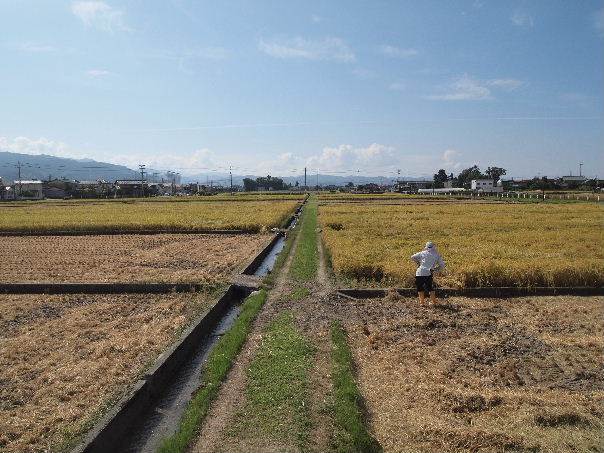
574 179
28 190
485 185
443 190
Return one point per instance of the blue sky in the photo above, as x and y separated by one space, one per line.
365 87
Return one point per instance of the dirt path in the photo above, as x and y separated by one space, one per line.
320 377
231 396
313 315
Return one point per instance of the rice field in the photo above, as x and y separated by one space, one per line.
249 216
483 244
170 258
64 359
482 375
235 197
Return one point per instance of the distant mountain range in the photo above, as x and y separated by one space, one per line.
44 167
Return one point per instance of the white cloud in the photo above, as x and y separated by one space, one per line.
25 145
464 89
198 161
467 88
326 49
316 19
397 86
349 158
522 19
599 22
99 15
506 84
397 52
450 159
97 73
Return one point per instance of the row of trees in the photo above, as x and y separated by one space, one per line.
465 177
264 183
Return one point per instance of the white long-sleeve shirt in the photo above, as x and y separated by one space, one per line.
428 261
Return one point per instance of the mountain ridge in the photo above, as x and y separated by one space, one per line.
43 166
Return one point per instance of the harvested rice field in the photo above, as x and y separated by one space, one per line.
482 375
483 244
64 359
126 258
130 215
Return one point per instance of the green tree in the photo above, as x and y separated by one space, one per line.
440 179
495 173
249 184
464 179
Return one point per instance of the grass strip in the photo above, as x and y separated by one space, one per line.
351 435
306 260
218 365
278 385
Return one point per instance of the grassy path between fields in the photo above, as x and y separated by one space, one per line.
292 386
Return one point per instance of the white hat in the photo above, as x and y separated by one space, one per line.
429 245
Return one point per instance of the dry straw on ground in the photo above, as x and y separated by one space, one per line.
126 258
64 358
483 375
484 244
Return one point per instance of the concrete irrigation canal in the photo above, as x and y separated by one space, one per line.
153 409
163 414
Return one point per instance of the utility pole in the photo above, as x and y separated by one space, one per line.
317 179
19 165
305 186
142 169
231 175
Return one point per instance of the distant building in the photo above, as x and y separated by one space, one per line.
55 193
93 189
443 190
485 185
131 187
369 188
28 190
573 179
411 186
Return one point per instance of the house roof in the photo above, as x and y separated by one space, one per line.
28 181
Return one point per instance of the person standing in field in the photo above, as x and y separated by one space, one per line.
428 262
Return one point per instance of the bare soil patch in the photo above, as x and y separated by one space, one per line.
521 374
64 359
126 258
